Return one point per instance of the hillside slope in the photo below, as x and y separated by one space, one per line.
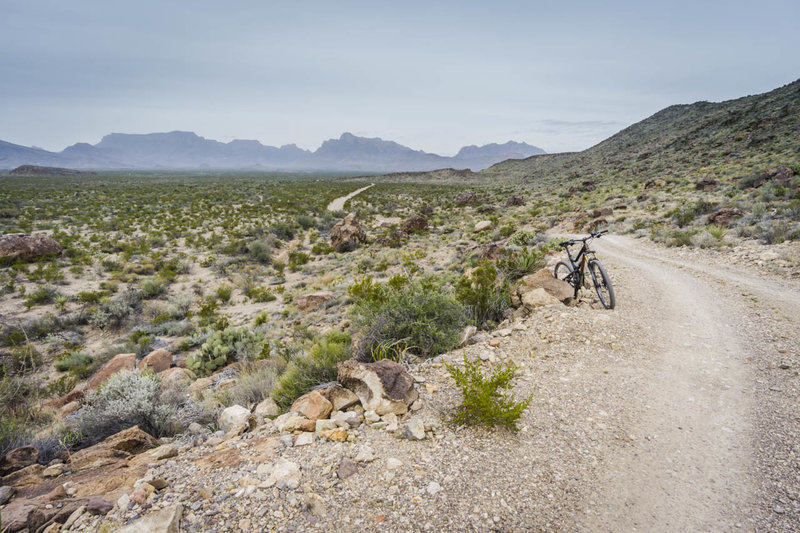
725 140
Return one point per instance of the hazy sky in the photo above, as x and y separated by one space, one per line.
431 75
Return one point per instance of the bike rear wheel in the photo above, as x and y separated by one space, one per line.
564 272
602 284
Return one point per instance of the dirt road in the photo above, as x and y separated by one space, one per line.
699 463
338 204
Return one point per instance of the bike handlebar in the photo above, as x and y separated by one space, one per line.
591 236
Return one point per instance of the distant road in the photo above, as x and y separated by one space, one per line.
338 204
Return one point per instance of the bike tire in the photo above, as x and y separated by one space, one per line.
602 284
565 272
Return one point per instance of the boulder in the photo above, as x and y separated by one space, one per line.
199 385
426 211
414 224
25 477
538 298
285 475
43 515
166 520
466 198
123 361
157 361
780 175
483 225
491 252
70 397
383 386
267 409
176 377
312 301
6 493
724 217
14 516
544 279
602 212
24 247
98 506
347 234
515 200
312 405
706 185
340 397
234 417
118 447
18 458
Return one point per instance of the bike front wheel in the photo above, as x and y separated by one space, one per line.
602 284
564 272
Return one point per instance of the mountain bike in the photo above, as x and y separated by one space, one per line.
574 271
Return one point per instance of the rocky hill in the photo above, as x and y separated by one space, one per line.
33 170
726 140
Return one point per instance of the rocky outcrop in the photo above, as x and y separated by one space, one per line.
726 215
780 175
515 200
347 234
312 301
157 361
706 185
120 446
24 247
17 459
414 224
560 291
383 387
312 406
466 198
123 361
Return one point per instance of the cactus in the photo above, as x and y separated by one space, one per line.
223 348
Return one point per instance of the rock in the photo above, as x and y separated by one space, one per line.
391 421
72 396
650 184
285 475
6 493
340 397
383 387
433 488
235 417
68 409
706 185
482 225
77 513
347 234
157 361
602 212
491 252
723 217
325 425
466 198
287 421
176 377
304 439
393 464
123 361
25 477
165 451
54 470
312 405
346 468
538 298
196 389
415 429
17 459
166 520
159 483
466 335
335 435
515 200
544 279
120 446
24 247
414 224
346 419
365 455
46 515
781 175
312 301
494 343
370 417
14 516
98 506
267 409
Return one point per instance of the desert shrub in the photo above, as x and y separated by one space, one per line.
680 237
255 382
506 230
318 365
297 259
419 312
129 398
523 238
485 294
61 386
517 263
304 221
772 231
116 312
151 287
704 239
260 251
41 296
260 294
261 319
486 400
78 363
225 347
321 248
90 297
282 230
687 213
718 232
224 293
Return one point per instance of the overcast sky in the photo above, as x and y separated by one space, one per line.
430 75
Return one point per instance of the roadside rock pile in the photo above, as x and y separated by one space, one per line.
347 234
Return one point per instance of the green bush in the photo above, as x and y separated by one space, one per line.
522 238
78 363
317 366
486 401
260 251
485 294
517 263
260 294
419 312
129 398
297 259
224 347
151 287
255 382
41 296
224 293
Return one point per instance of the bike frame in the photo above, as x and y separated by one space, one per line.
579 268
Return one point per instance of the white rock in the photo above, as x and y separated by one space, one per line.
166 520
393 464
365 455
234 417
482 225
371 417
285 475
304 439
267 409
347 419
415 429
433 488
391 421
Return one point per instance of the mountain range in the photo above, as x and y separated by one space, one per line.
186 150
